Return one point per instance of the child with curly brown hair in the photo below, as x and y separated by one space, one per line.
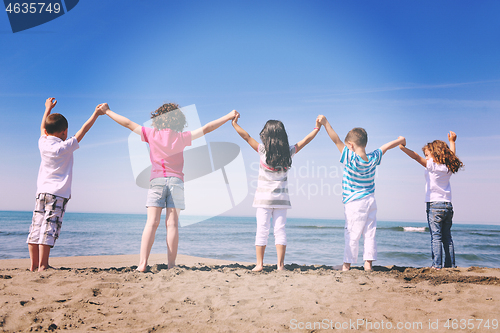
166 188
440 163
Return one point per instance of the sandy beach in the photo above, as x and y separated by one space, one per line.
106 293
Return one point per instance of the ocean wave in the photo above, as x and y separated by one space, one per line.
481 233
407 229
14 233
314 227
416 229
469 257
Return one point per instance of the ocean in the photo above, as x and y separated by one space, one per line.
310 241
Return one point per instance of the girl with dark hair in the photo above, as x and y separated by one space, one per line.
166 187
440 163
271 197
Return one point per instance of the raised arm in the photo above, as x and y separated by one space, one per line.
302 143
452 137
389 145
331 133
50 103
125 122
212 126
251 141
88 124
421 160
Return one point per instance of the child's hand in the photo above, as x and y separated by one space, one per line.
233 114
318 123
103 108
321 119
402 138
402 147
50 103
235 119
99 110
452 137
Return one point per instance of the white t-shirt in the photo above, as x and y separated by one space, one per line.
56 168
437 182
272 185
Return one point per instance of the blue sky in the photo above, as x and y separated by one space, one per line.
417 69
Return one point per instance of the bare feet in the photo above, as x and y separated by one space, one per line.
258 268
43 268
142 268
368 265
346 266
282 268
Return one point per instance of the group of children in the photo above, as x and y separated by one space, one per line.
167 142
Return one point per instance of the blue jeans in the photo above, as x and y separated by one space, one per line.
439 216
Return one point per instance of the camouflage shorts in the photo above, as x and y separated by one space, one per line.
47 219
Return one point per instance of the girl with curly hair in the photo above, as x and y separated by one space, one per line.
440 163
166 142
271 197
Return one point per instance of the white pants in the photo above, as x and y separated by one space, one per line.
360 219
264 216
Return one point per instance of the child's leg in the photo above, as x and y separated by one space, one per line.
172 223
35 231
434 218
449 250
354 225
34 256
148 236
44 251
280 251
263 225
370 244
279 220
45 228
259 253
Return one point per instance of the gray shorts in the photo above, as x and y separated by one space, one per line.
166 192
47 219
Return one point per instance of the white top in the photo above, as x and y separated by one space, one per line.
56 168
437 182
272 185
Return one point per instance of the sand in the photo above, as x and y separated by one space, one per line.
105 293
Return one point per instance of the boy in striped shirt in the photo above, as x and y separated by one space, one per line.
358 188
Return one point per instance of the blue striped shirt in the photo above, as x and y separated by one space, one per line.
358 179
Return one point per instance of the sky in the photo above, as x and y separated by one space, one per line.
413 68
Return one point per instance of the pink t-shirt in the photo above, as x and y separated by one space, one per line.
166 151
